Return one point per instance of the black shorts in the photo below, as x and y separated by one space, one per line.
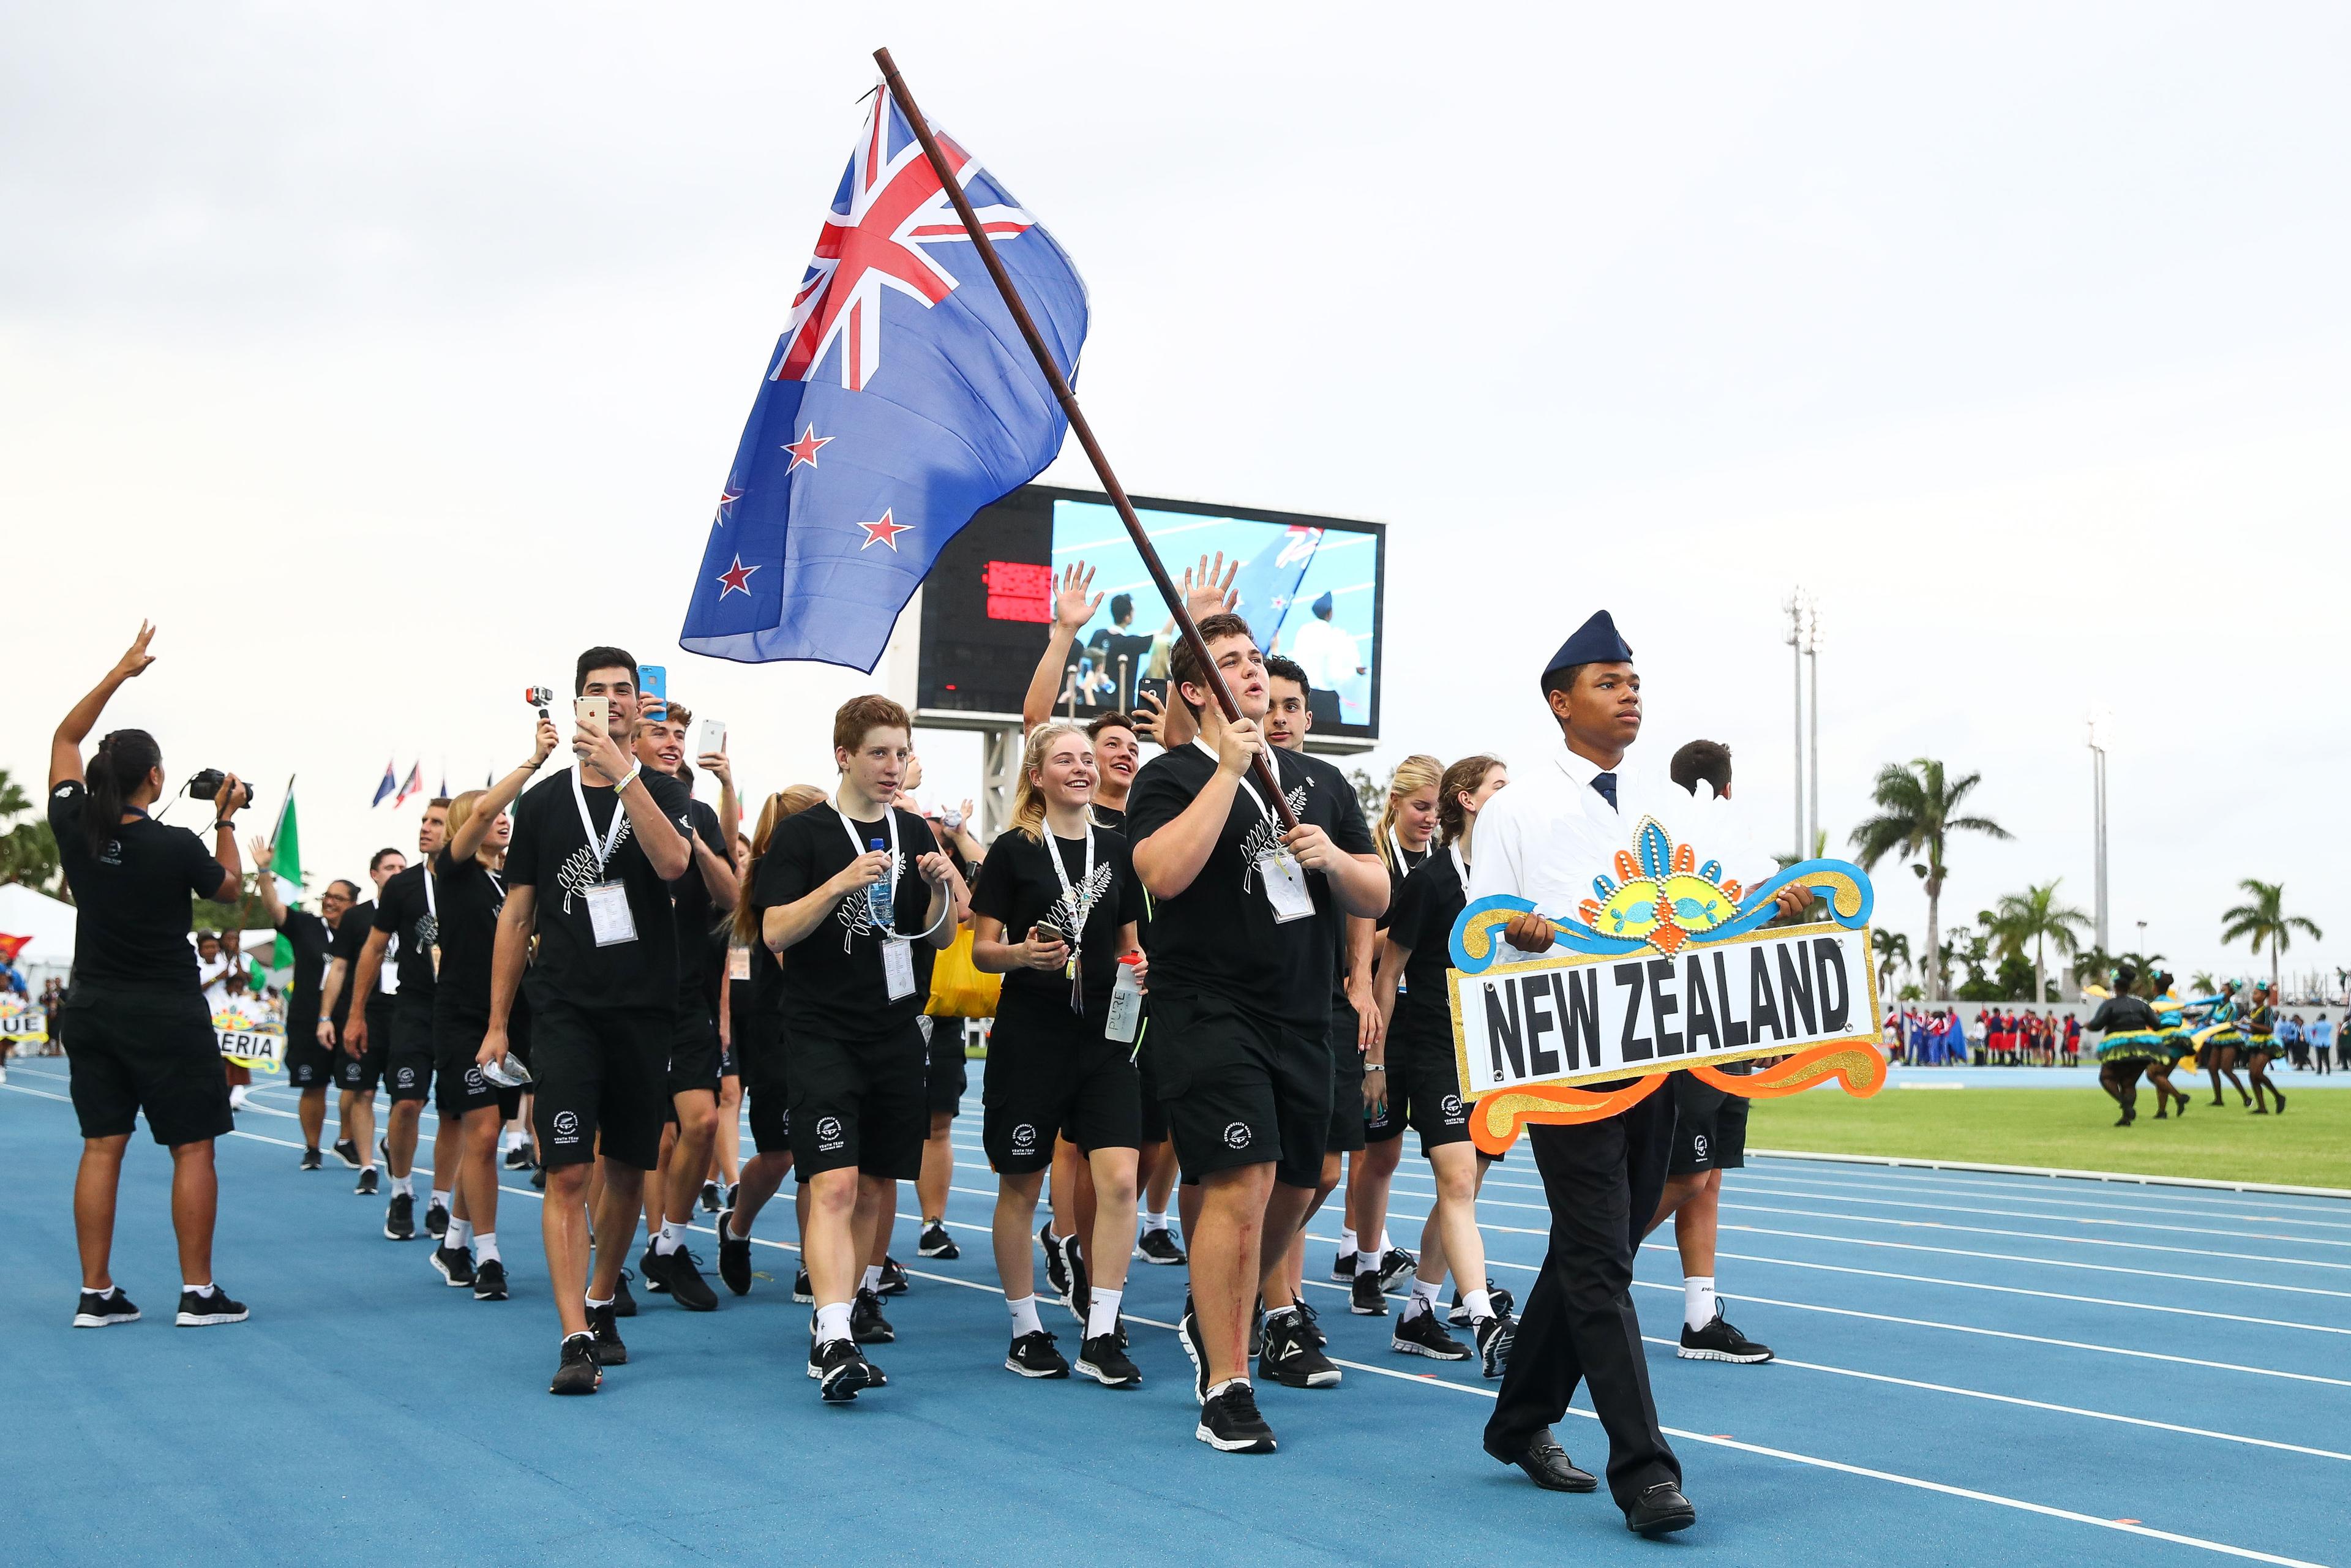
1709 1127
771 1117
408 1065
360 1074
599 1073
729 1065
1241 1089
1347 1127
857 1104
310 1066
130 1050
945 1074
458 1085
1155 1111
1050 1075
1424 1093
693 1049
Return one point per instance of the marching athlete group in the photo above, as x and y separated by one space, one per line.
595 968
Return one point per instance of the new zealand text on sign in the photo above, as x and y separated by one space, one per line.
1580 1019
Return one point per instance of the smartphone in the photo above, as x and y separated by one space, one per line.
653 681
1155 684
594 710
714 737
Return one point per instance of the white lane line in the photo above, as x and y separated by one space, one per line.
2126 1179
2257 1206
2045 1262
2029 1234
1750 1182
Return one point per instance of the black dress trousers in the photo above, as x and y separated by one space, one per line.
1603 1180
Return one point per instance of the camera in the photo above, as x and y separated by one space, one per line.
205 786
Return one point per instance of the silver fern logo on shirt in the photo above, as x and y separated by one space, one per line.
1076 905
1265 838
579 871
855 912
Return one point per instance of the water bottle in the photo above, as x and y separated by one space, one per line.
880 907
1125 1003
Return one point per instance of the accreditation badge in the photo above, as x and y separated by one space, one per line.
609 915
898 967
1284 880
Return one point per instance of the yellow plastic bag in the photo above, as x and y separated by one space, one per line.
959 988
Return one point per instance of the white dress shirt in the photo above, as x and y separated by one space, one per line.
1548 833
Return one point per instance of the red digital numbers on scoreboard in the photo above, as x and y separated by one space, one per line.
1018 591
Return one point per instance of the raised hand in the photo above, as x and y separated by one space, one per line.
1071 608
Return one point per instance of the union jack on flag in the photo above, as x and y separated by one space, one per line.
900 399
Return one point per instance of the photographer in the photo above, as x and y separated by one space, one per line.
309 1065
136 1033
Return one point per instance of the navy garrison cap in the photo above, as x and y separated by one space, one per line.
1594 642
1322 607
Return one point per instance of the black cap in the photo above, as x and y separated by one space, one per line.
1594 642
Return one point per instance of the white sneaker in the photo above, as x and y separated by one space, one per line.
237 1096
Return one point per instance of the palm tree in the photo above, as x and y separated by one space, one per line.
1919 809
29 852
2264 920
2147 964
2036 917
1893 950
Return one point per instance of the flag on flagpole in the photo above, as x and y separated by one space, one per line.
413 785
1268 582
391 782
286 864
900 399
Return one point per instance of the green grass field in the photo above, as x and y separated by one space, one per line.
2310 1146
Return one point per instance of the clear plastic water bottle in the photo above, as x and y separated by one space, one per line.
1125 1003
881 896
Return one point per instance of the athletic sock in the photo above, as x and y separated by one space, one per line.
1386 1244
593 1304
872 1277
460 1232
729 1232
1425 1291
440 1199
1346 1243
1102 1312
402 1185
1024 1316
1152 1222
485 1247
671 1237
206 1288
1229 1382
1697 1299
1479 1304
832 1323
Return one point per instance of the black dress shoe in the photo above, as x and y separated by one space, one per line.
1546 1464
1660 1509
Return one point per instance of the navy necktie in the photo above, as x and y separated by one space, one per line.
1605 784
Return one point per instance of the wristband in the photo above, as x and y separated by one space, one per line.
222 825
629 778
1376 1067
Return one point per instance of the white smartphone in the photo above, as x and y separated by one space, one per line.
714 737
592 710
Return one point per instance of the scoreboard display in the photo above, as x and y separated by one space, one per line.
1311 588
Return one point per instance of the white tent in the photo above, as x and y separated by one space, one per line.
50 922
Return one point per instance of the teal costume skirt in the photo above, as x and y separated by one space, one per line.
2133 1045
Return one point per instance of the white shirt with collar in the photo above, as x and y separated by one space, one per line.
1548 833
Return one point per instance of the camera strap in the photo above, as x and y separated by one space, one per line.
1072 899
601 848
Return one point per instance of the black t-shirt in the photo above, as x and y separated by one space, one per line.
131 899
698 976
1218 937
470 896
1112 817
310 938
351 935
405 912
550 853
832 980
1017 885
1421 921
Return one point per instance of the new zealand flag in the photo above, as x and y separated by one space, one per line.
900 399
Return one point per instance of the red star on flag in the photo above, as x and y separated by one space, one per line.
804 449
737 578
726 499
884 532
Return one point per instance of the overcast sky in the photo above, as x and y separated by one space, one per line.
387 355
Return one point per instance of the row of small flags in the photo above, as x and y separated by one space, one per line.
397 790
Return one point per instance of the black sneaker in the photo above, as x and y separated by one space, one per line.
1419 1333
538 1177
1230 1423
519 1157
436 1221
348 1152
656 1275
454 1264
1080 1297
399 1219
1365 1298
1309 1320
1394 1264
710 1197
1057 1269
866 1323
1459 1317
803 1289
687 1288
368 1185
734 1255
203 1311
578 1372
1103 1359
104 1309
1159 1247
894 1278
1290 1359
1256 1328
311 1161
1342 1268
1720 1342
1034 1356
1187 1335
840 1371
490 1281
625 1305
609 1350
734 1198
1495 1337
935 1242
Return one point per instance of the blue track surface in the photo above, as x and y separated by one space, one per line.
1975 1369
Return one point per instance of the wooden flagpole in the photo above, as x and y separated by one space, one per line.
1078 425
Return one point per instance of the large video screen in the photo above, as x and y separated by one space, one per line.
1311 588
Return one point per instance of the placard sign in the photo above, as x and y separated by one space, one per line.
22 1025
249 1041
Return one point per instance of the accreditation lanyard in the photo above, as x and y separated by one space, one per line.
1079 911
609 915
897 953
1278 870
433 913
